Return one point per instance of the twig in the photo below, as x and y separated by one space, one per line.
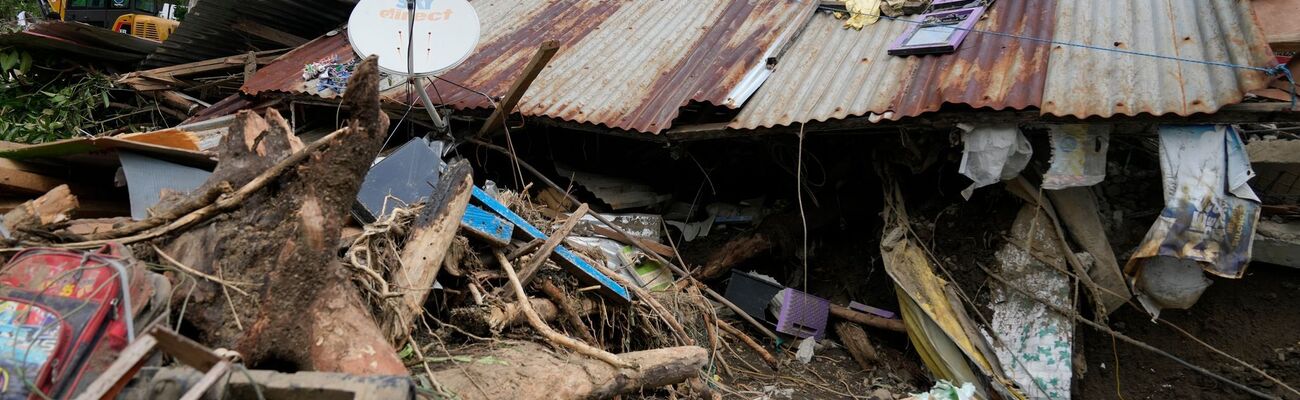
635 242
224 283
565 309
526 274
223 203
546 331
767 357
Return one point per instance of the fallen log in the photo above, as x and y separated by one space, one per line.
528 371
306 313
426 247
873 321
855 340
52 207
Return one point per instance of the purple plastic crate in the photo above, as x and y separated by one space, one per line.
802 314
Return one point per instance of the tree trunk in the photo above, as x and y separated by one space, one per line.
306 313
530 372
858 344
52 207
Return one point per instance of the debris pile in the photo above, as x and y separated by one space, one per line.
254 209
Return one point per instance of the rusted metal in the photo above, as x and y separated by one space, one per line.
1085 82
622 64
632 65
998 72
285 74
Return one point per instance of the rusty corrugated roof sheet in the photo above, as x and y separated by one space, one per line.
815 83
285 73
987 70
1083 82
622 64
633 65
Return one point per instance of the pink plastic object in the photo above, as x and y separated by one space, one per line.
802 315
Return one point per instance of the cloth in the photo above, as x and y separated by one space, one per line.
993 153
862 13
1210 211
1078 156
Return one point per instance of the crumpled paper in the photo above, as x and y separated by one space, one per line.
944 390
993 153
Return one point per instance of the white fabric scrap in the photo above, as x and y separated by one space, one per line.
993 153
1078 156
944 390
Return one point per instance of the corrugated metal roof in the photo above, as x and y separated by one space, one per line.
208 30
828 73
287 76
625 64
987 70
622 64
633 64
1083 82
79 40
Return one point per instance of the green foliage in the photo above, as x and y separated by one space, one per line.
42 107
9 8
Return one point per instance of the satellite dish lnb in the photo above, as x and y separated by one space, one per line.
446 31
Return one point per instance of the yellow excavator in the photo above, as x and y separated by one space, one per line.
139 18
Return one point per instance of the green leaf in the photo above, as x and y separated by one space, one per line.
105 95
406 352
8 60
26 63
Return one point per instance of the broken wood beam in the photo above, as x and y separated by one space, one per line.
426 246
858 344
52 207
529 372
873 321
775 232
507 105
538 258
681 272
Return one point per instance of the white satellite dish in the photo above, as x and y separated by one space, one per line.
446 31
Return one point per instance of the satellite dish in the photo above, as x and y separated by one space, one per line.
446 31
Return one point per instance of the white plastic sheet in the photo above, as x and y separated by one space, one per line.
994 153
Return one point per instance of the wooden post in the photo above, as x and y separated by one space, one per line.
426 247
507 105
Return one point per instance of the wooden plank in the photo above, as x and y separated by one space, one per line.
487 226
526 274
431 236
517 89
566 258
210 378
187 351
128 363
16 181
658 248
269 33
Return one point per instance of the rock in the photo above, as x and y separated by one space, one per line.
881 394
